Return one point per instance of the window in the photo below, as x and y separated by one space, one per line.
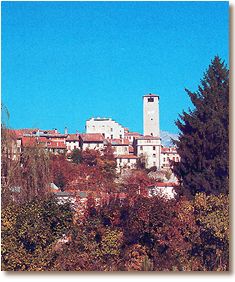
151 134
97 145
154 148
151 99
120 136
141 147
154 155
103 134
111 129
154 163
129 160
111 136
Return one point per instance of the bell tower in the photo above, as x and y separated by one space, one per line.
151 115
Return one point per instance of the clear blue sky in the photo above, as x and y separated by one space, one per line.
64 62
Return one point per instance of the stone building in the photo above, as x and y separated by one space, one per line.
151 115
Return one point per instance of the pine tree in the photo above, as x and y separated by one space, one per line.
203 143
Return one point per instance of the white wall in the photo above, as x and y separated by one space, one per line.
110 128
150 149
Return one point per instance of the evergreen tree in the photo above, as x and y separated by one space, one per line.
203 143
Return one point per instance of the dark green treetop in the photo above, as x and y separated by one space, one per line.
203 143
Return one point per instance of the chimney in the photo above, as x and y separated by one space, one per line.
66 130
56 131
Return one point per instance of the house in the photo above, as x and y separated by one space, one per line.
126 162
130 136
168 155
163 189
72 142
91 141
119 146
148 148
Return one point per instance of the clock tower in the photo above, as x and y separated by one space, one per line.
151 115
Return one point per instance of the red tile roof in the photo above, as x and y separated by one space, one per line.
126 157
92 137
28 141
72 137
133 134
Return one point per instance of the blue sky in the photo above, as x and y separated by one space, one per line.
64 62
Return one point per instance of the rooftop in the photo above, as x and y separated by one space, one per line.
148 137
126 157
92 137
151 95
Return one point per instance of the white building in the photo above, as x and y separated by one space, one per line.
126 162
119 146
109 128
165 190
72 142
149 148
168 155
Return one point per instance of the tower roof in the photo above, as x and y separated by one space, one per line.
151 95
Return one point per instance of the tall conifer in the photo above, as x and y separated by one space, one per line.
203 143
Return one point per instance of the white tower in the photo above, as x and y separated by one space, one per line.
151 115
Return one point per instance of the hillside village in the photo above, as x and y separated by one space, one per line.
129 148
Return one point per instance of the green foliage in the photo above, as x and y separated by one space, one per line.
203 142
29 233
212 215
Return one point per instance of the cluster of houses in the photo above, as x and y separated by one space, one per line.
127 150
130 148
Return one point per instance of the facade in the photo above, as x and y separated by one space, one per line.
151 115
93 141
119 146
72 142
126 162
109 128
168 154
130 136
163 189
148 148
